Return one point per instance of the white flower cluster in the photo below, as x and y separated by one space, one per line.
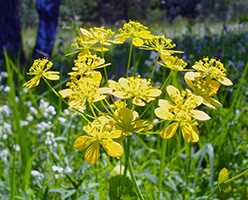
3 87
4 155
51 140
46 109
5 126
37 176
60 171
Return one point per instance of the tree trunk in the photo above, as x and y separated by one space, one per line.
10 29
48 11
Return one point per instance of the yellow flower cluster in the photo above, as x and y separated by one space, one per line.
134 31
128 121
99 133
212 69
181 112
84 89
114 116
40 69
138 89
172 62
95 39
206 80
84 83
86 62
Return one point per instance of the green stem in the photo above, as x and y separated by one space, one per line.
104 69
96 108
92 110
166 80
13 177
188 163
108 104
227 181
245 172
129 58
106 108
127 153
130 166
162 163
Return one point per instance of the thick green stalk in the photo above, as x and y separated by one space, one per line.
126 153
129 58
166 80
162 163
139 193
188 163
105 69
129 167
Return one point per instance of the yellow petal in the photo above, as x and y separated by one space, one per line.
223 175
192 75
51 75
98 98
189 76
225 81
137 101
195 137
198 66
164 54
102 49
174 93
164 104
138 42
66 93
85 32
120 94
162 113
80 142
190 133
214 85
135 115
95 75
200 115
142 126
115 134
119 39
123 83
214 102
32 82
105 90
112 148
169 131
207 103
92 153
77 104
193 101
153 92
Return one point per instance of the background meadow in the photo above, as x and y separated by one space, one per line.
37 130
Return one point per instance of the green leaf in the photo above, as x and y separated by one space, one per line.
121 187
